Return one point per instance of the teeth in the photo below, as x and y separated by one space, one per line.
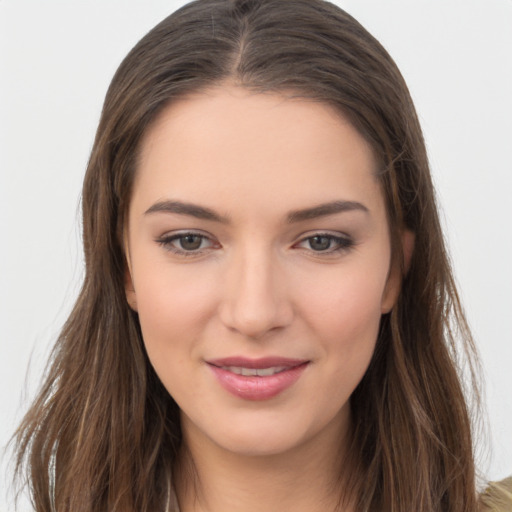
254 372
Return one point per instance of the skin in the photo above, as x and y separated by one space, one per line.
259 285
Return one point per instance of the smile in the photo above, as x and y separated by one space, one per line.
260 379
254 372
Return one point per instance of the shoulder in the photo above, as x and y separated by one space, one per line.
497 497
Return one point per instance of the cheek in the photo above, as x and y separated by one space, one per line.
345 315
173 307
347 302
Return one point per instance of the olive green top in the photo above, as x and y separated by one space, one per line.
497 497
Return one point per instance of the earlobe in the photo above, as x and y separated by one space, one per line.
397 273
407 249
129 289
131 296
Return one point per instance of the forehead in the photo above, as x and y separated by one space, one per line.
228 141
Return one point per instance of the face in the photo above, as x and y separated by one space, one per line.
259 263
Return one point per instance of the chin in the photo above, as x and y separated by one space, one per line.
263 434
260 444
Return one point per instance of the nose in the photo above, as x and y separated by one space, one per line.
255 297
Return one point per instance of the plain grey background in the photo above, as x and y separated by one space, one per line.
56 61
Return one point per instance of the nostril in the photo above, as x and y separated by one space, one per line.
255 299
255 320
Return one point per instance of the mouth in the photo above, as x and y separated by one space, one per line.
257 379
254 372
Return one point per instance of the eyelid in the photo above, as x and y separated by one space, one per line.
344 242
168 238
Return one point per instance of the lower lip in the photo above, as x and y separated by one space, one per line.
258 388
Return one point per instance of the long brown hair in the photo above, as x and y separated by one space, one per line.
103 433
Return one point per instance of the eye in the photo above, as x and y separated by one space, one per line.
326 243
188 243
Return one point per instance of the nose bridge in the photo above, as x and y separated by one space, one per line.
255 298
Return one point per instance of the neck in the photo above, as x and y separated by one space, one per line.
307 478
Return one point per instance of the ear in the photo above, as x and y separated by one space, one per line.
408 238
397 273
129 289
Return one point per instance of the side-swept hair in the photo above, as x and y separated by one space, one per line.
103 433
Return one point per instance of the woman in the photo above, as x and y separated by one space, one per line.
267 300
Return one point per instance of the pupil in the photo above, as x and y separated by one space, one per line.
320 243
190 242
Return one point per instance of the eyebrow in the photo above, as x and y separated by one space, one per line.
325 209
192 210
201 212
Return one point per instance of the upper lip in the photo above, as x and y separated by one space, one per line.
259 363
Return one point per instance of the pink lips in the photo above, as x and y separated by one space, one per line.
257 379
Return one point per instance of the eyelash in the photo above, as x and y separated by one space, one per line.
342 243
167 243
